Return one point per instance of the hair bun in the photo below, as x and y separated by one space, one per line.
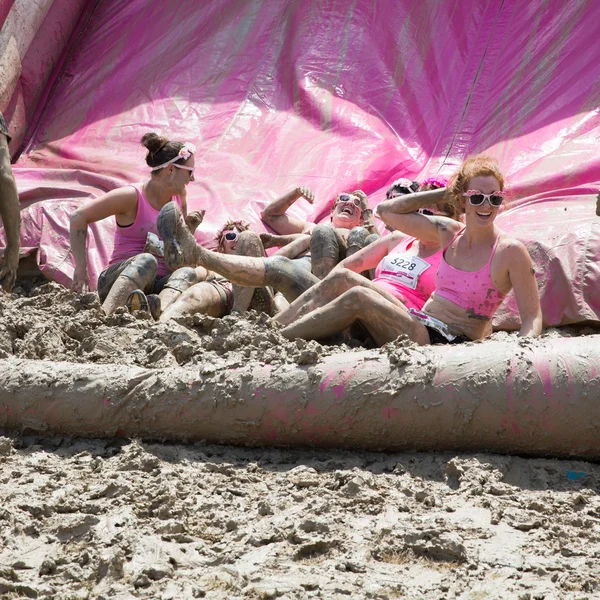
154 142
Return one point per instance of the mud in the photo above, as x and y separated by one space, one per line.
50 322
114 518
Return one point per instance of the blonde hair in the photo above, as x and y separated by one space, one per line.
239 225
364 202
474 166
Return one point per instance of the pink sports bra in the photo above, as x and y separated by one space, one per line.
408 278
472 290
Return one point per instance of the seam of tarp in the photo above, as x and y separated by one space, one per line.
457 127
57 75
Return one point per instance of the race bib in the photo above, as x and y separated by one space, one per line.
403 269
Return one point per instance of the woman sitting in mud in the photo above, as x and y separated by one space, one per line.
479 265
132 271
352 227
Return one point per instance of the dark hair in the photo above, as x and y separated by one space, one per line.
402 187
160 149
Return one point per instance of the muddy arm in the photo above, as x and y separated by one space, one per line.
11 218
274 214
522 277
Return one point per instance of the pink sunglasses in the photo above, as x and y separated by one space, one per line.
476 198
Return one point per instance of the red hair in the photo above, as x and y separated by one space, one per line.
475 166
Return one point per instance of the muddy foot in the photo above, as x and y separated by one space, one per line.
180 244
194 219
268 240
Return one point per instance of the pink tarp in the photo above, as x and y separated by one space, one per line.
338 95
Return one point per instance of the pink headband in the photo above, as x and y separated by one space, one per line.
184 152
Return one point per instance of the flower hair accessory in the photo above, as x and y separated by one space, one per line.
440 182
402 182
184 152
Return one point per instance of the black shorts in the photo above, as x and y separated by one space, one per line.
4 129
435 337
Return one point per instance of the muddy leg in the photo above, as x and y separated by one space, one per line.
383 320
249 244
200 298
287 276
324 249
180 280
138 274
328 289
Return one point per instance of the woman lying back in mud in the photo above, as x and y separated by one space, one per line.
479 265
136 208
352 227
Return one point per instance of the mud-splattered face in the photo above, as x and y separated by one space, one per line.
485 214
347 211
229 240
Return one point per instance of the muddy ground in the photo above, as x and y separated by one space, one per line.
126 519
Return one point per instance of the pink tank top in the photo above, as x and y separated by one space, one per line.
130 240
408 278
472 290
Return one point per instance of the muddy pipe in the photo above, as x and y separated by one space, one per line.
537 398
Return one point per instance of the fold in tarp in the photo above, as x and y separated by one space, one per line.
338 96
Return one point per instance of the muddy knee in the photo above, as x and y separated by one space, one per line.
182 279
324 243
359 238
286 276
142 270
249 244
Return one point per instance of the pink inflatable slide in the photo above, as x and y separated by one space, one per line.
337 96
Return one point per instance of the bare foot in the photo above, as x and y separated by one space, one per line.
194 219
180 244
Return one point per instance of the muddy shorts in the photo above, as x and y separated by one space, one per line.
108 277
225 289
439 332
4 128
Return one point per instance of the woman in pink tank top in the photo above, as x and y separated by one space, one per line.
135 209
478 267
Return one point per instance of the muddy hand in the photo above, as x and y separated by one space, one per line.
306 193
81 283
598 204
8 273
194 219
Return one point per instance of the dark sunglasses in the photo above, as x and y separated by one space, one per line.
231 236
476 198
